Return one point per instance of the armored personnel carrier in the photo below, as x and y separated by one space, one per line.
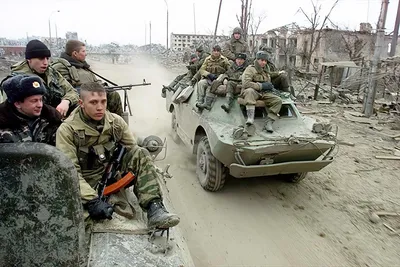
297 146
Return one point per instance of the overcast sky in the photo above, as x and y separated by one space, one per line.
124 21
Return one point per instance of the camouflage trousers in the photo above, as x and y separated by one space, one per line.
281 82
272 102
177 80
114 103
202 86
146 187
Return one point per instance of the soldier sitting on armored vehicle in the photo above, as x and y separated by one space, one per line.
87 137
256 83
235 45
233 80
59 93
183 79
73 67
213 66
23 116
279 79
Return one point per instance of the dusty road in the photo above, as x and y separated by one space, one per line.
265 222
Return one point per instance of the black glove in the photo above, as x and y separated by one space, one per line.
104 84
99 209
193 82
212 77
188 67
266 86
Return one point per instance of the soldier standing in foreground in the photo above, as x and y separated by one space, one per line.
88 136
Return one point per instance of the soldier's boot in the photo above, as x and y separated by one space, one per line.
250 114
200 101
164 91
268 125
208 102
227 106
158 217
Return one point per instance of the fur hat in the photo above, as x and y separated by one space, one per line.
19 87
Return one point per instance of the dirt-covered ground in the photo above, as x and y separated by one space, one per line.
322 221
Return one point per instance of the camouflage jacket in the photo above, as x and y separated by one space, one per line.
75 137
75 72
57 87
202 57
214 65
235 72
233 47
254 75
15 127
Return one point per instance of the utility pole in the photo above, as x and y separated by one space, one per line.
55 24
395 33
166 4
368 106
194 17
150 36
216 24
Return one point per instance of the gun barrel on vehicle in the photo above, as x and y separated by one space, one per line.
126 87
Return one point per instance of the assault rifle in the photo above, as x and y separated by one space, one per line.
108 183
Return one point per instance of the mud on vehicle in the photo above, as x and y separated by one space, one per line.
298 145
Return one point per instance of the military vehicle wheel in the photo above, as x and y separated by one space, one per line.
295 177
174 126
210 171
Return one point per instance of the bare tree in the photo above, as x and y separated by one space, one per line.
315 29
254 25
244 18
353 45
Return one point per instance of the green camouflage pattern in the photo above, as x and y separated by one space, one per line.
77 76
41 212
115 130
214 65
15 129
58 88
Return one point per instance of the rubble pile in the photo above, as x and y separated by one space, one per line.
172 60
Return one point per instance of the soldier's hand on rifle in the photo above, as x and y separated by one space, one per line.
99 209
63 107
193 82
266 86
282 72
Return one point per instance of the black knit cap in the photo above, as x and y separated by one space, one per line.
19 87
36 49
241 55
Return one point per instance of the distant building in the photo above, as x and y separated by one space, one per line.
71 36
181 42
12 50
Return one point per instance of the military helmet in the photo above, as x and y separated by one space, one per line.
237 30
200 49
262 55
